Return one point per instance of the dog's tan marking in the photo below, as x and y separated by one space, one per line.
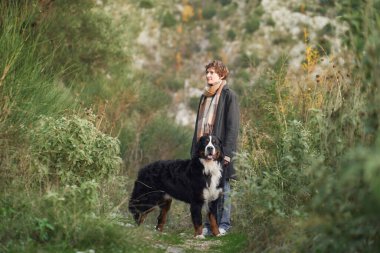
198 230
161 219
213 224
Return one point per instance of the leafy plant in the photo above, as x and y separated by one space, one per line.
168 20
85 42
174 141
43 229
146 4
346 204
225 2
209 11
231 35
72 150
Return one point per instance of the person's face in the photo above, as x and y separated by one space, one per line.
212 77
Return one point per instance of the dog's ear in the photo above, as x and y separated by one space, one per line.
221 153
219 140
220 146
198 147
197 155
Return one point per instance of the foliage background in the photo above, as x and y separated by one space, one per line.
91 91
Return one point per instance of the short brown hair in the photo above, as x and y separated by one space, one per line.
219 67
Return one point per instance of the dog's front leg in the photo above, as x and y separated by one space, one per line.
196 217
212 218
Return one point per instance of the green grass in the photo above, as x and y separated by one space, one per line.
29 88
231 243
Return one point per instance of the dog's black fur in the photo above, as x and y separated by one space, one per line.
198 181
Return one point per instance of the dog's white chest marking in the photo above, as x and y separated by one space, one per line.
214 170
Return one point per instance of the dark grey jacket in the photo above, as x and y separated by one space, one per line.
226 126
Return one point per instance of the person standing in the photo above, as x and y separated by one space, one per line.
218 114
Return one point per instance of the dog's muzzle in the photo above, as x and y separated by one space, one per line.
210 152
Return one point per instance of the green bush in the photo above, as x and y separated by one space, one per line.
252 24
83 37
272 191
127 137
247 60
231 35
363 39
146 4
61 220
162 139
72 150
346 204
168 20
216 43
228 11
149 94
225 2
209 11
194 103
295 148
173 85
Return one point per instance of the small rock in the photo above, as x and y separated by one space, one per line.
171 249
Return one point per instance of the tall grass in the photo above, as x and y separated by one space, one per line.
28 87
306 186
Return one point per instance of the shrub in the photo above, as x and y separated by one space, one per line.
209 12
225 2
70 217
168 20
231 35
252 24
346 205
216 43
173 84
72 150
146 4
149 94
247 60
163 139
295 150
273 185
86 40
228 10
194 103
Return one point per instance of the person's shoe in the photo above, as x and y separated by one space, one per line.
222 231
206 231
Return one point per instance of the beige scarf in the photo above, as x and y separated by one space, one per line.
207 109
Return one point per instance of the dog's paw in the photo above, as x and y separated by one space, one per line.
201 237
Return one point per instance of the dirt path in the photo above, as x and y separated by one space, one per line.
193 245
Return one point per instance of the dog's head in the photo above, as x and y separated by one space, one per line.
210 148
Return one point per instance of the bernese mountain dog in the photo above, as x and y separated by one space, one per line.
197 181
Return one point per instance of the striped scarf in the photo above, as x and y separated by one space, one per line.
207 109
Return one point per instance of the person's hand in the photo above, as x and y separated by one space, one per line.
225 163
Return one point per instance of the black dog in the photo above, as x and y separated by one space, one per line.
197 181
